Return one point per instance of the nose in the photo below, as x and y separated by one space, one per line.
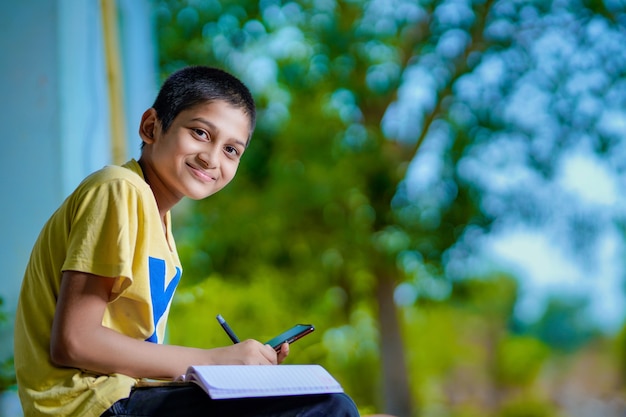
208 159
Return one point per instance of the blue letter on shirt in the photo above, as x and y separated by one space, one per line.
160 294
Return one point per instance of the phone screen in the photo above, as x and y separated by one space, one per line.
291 335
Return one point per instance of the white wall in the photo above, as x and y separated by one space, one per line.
54 115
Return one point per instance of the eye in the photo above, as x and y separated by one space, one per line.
231 150
201 134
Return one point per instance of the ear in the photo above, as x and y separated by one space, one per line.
148 125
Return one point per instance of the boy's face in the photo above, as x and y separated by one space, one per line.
200 152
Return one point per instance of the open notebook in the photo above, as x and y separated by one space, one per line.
241 381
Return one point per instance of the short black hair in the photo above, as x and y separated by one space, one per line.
195 85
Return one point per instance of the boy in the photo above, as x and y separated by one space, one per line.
96 292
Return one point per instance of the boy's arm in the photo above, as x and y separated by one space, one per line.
79 340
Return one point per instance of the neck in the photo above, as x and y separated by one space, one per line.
165 200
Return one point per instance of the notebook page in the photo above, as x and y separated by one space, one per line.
238 381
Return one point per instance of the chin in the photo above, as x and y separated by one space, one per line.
198 197
201 195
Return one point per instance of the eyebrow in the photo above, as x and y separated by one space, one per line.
212 126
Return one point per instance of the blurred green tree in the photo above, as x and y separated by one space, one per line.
330 204
564 326
316 193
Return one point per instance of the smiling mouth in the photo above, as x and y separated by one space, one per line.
201 174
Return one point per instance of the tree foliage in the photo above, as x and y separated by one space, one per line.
391 135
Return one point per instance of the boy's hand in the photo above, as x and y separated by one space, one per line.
248 352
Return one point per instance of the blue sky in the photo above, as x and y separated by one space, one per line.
538 255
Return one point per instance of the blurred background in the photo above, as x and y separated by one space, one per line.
436 185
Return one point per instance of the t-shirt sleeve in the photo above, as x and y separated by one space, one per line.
103 232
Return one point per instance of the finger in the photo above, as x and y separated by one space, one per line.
283 352
270 354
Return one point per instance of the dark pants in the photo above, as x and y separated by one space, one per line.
190 401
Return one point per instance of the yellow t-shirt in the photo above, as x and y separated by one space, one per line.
109 226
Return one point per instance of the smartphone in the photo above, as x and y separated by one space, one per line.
296 332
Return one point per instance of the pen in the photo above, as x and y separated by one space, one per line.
227 329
